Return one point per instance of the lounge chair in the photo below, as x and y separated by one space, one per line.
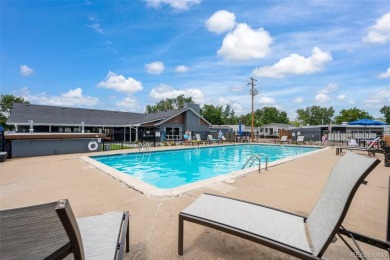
282 230
300 139
198 139
370 149
352 143
282 140
50 231
211 139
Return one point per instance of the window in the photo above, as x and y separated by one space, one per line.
173 133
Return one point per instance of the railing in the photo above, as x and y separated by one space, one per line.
144 145
255 157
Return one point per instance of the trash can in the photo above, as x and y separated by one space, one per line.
107 147
387 156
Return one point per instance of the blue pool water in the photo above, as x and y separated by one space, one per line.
170 169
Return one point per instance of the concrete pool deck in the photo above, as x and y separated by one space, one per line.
292 186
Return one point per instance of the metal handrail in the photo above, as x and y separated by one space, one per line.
141 145
258 157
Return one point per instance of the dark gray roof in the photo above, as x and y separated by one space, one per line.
40 114
161 116
54 115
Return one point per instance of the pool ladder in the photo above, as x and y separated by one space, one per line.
146 147
256 157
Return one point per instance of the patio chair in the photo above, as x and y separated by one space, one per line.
282 140
50 231
198 139
211 139
352 143
300 139
279 229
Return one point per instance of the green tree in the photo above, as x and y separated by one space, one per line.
264 116
352 114
385 110
228 116
212 114
6 103
315 115
169 104
271 115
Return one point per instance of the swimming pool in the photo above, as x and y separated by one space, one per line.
175 168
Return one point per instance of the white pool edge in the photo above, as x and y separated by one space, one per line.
151 190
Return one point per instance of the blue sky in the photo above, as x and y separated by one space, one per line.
124 55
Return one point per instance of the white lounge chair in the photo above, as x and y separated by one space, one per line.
211 139
282 140
282 230
352 143
300 139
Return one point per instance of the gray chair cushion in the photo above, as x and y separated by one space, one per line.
273 224
100 235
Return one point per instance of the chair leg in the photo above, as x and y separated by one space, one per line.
128 237
181 234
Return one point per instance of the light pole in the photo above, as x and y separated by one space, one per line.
253 92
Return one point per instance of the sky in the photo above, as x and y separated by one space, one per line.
124 55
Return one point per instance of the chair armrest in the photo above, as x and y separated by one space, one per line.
69 222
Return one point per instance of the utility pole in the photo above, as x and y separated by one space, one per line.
253 92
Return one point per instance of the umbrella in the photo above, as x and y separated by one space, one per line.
366 121
239 129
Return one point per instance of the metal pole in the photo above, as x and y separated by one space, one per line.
253 93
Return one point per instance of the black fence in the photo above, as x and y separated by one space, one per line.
161 138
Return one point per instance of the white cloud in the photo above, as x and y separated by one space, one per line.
155 68
380 32
221 21
177 4
379 97
164 91
385 74
73 97
299 100
181 68
328 89
266 100
295 64
244 43
120 83
237 88
128 104
95 25
341 97
25 70
321 97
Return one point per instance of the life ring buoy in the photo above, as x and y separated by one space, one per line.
93 146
